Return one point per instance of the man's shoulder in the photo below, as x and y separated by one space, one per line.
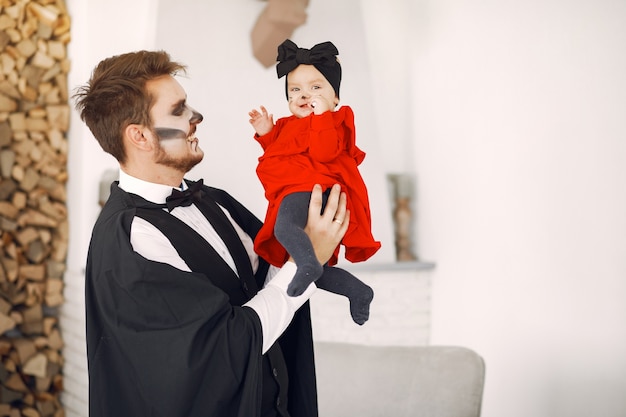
118 206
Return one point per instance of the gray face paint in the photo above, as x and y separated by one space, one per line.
165 133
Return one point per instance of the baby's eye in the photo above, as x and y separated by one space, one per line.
316 87
294 89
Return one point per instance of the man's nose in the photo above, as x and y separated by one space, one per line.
195 117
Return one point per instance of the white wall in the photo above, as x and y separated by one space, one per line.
521 155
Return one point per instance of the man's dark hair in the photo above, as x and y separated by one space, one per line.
116 95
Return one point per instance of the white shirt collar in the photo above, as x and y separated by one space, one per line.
153 192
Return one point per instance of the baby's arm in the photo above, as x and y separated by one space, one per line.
262 122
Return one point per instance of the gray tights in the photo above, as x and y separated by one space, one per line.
289 230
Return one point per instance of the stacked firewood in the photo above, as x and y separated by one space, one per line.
34 118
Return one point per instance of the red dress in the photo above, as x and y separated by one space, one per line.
317 149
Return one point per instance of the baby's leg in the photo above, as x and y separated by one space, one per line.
292 216
340 281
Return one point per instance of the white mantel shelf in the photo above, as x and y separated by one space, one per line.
399 314
391 266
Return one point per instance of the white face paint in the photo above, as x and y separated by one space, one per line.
174 119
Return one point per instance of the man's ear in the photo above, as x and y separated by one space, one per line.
133 136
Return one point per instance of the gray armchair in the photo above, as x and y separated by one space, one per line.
398 381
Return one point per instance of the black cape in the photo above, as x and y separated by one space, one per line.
165 342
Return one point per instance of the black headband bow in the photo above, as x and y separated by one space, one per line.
290 56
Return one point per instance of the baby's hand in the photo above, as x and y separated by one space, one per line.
261 121
320 105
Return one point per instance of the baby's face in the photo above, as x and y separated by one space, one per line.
306 84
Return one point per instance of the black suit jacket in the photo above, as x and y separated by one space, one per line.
164 342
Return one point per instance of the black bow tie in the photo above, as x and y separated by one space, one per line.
184 198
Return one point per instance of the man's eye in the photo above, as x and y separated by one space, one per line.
178 111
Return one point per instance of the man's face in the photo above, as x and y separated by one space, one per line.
174 125
304 84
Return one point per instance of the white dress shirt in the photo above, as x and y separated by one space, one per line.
272 304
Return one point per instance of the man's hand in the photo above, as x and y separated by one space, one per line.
327 229
262 122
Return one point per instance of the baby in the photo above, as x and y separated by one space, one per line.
315 145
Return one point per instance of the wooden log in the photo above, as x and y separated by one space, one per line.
36 366
8 396
47 15
5 348
58 117
35 218
37 251
24 236
7 104
6 323
19 200
17 120
26 47
30 412
16 383
7 22
32 315
45 236
55 341
33 272
34 120
7 87
25 349
5 306
10 265
4 39
34 297
7 160
48 324
11 226
8 210
5 134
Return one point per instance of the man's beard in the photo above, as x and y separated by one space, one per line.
183 164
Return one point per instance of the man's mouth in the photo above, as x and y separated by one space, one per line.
192 137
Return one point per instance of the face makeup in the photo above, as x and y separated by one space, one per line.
166 133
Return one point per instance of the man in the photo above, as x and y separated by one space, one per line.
183 318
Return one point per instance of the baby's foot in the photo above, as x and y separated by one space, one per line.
360 306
